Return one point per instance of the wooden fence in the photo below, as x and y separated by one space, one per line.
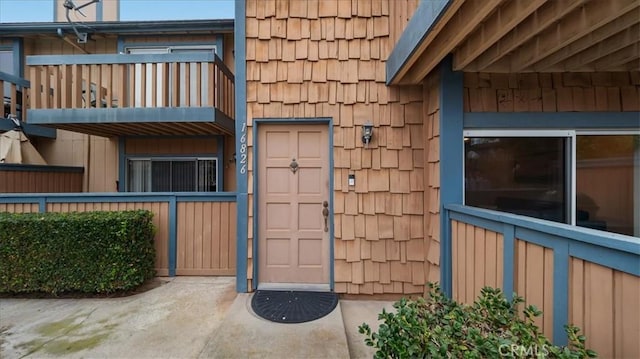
195 232
574 275
16 178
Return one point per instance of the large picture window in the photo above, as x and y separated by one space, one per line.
172 175
588 179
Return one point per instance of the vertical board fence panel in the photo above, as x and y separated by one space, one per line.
206 240
477 260
160 220
597 294
200 226
584 277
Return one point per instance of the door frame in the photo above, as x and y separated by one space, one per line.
328 121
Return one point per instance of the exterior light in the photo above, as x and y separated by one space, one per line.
367 133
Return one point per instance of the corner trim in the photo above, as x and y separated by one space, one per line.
451 153
242 216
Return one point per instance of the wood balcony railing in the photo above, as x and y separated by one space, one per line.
130 81
13 92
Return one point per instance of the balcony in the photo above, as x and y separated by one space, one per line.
130 94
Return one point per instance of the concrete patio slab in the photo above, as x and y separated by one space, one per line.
171 321
356 312
245 335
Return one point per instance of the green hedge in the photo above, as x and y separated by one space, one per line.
89 252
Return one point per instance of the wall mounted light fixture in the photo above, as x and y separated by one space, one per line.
367 133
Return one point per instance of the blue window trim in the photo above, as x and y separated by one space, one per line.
552 120
123 156
328 121
123 44
242 217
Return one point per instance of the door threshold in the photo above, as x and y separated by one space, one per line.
306 287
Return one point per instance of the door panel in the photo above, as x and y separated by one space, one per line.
293 246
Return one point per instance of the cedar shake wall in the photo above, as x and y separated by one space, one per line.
552 92
327 59
431 115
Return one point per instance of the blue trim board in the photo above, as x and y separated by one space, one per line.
18 56
55 10
560 290
220 46
491 225
108 197
39 168
42 205
89 116
241 125
122 164
425 17
256 201
98 59
120 44
332 237
14 79
552 120
99 10
451 157
509 255
620 261
28 129
220 163
617 242
173 235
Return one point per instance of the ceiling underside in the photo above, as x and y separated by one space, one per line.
514 36
143 129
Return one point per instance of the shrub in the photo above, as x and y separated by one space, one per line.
438 327
89 252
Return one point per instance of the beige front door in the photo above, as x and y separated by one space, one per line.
293 185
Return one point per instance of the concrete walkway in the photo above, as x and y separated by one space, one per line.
186 317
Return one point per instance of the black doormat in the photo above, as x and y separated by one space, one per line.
293 306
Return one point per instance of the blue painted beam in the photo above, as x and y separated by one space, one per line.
242 217
130 115
39 168
36 60
551 120
14 79
28 129
615 241
111 197
451 156
424 18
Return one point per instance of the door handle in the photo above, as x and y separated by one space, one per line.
325 214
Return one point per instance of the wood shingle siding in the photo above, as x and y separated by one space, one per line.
552 92
327 59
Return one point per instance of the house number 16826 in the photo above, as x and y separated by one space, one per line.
243 150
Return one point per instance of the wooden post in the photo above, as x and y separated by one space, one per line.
36 87
76 86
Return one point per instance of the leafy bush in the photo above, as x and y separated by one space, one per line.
438 327
89 252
